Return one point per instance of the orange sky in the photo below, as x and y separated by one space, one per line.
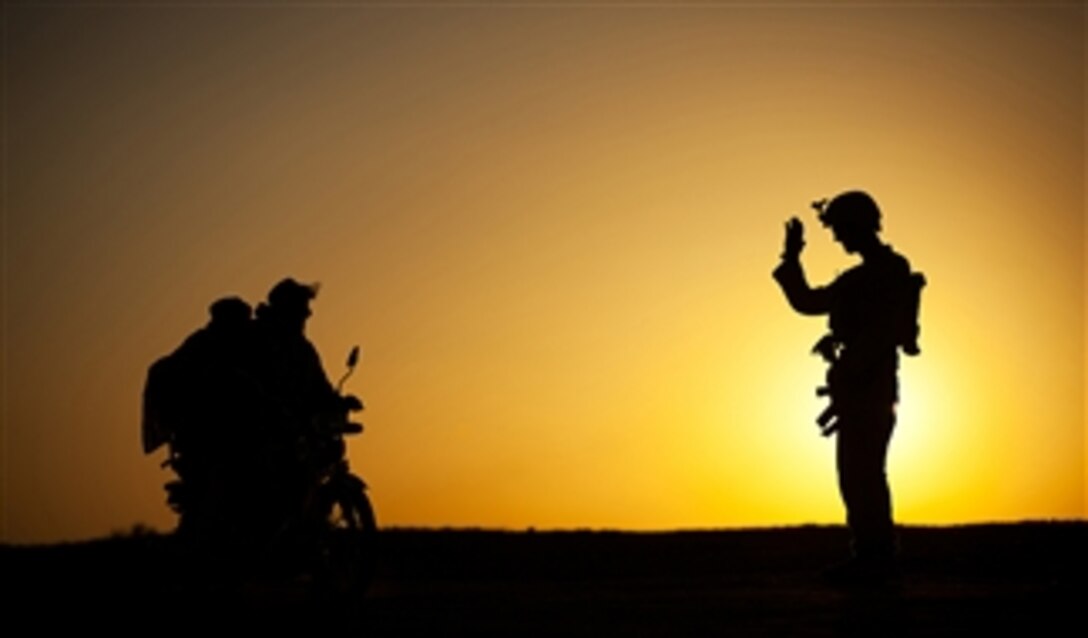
551 228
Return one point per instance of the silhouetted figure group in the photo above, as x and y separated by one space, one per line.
254 428
872 314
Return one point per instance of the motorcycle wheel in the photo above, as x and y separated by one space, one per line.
350 552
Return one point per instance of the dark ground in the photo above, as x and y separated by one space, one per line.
957 581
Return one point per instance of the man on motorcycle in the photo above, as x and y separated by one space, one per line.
295 401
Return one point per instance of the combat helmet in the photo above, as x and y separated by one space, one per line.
852 209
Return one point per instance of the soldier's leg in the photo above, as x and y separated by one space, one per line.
862 448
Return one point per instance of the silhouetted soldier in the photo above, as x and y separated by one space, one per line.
873 313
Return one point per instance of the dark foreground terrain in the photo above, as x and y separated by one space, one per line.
958 581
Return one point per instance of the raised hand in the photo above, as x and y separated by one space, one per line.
795 239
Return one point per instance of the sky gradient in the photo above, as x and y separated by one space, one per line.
551 229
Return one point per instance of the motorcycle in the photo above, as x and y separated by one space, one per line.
286 506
